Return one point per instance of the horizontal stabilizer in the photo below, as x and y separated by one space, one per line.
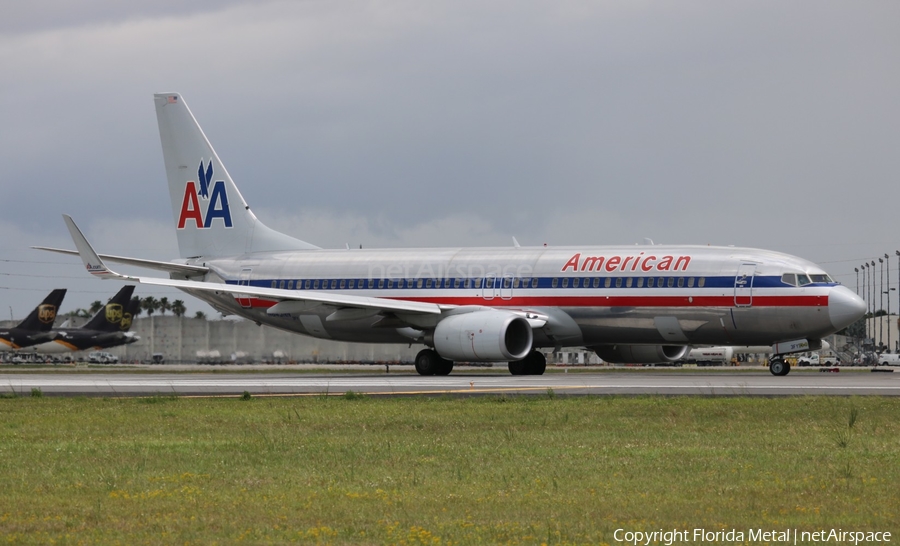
169 267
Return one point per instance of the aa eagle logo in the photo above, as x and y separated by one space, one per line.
114 313
46 313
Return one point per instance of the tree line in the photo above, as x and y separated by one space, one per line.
147 305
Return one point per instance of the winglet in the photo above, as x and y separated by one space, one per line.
92 261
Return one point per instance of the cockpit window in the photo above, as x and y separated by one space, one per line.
789 278
803 280
820 278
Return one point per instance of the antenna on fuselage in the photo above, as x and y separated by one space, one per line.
516 243
648 241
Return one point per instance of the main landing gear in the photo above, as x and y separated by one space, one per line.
533 364
778 366
428 362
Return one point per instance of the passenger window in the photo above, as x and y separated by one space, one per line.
650 282
515 283
419 283
702 282
680 282
534 282
628 282
281 284
316 284
607 282
428 283
306 284
380 283
555 282
565 282
343 284
618 282
274 284
457 283
334 284
575 282
671 282
690 282
640 282
351 284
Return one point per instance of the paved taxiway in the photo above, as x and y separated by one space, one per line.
723 383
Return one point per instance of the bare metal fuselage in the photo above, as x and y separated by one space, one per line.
685 295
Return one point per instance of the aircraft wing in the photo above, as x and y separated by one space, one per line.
96 267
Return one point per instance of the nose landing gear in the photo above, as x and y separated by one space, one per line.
778 366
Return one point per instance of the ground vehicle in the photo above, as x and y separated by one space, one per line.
100 357
814 359
710 356
888 359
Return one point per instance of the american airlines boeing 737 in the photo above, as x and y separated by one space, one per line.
626 303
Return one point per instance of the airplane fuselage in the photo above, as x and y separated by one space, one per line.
592 295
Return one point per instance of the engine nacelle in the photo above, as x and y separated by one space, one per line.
483 336
640 354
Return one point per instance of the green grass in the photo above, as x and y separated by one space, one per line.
509 469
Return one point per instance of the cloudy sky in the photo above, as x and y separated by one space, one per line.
407 123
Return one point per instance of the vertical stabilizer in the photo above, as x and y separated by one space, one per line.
211 216
41 319
109 317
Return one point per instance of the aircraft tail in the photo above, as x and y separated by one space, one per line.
133 310
211 216
109 317
41 319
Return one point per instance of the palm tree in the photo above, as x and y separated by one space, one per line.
138 308
150 304
164 305
178 308
95 306
200 315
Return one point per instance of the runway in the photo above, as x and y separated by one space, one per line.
674 382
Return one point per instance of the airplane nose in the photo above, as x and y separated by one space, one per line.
844 307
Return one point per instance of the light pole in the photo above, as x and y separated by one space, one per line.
881 303
887 275
872 289
865 268
857 278
865 293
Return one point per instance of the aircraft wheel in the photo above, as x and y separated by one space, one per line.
536 363
517 367
533 364
779 367
444 367
428 362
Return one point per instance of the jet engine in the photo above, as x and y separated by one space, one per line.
483 336
640 354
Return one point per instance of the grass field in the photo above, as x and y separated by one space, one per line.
511 470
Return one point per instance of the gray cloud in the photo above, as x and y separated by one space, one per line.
768 124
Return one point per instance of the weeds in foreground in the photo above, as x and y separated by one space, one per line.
437 469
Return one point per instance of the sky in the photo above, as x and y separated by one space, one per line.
764 124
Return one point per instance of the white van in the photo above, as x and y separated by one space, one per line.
889 359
